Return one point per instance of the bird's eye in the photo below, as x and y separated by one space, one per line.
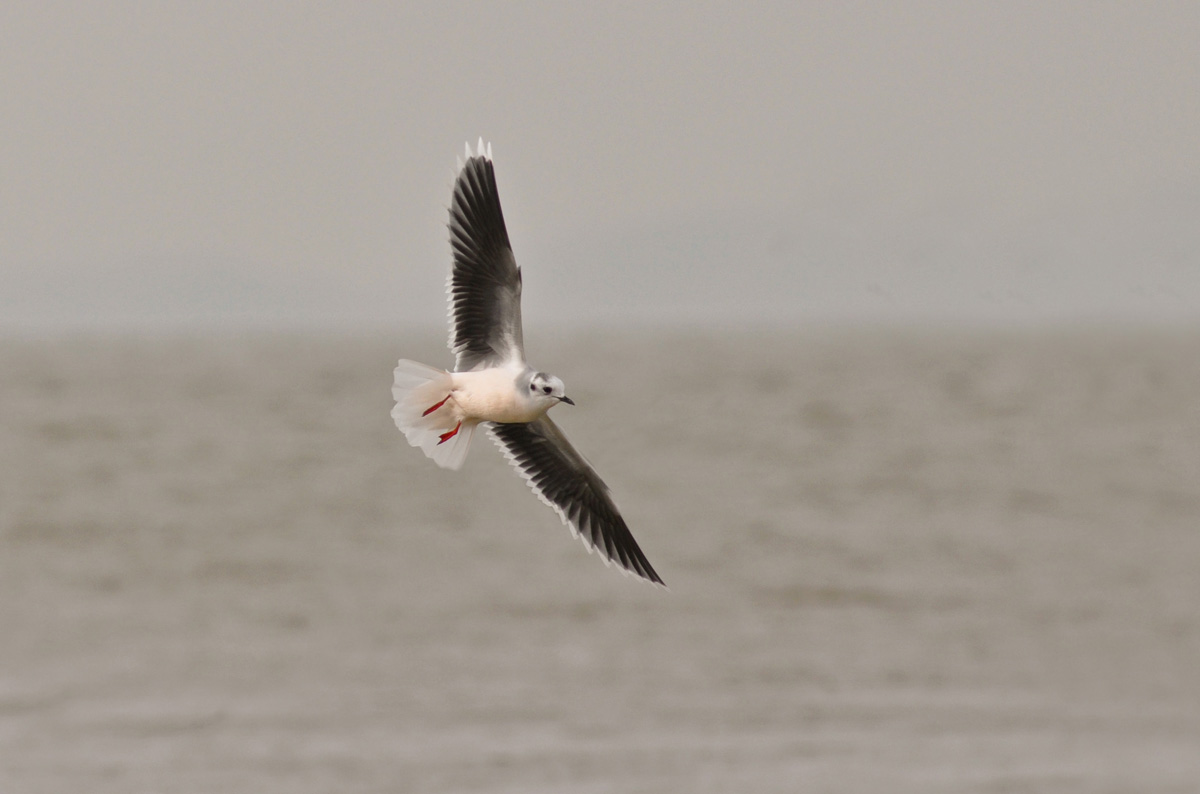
546 389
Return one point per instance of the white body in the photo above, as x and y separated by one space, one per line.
438 411
493 395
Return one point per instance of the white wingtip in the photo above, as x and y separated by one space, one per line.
483 150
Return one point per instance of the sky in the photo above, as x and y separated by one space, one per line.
289 164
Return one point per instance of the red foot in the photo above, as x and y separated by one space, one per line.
447 436
433 408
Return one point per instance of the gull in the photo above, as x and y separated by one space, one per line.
493 386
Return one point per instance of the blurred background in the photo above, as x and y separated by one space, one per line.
882 325
225 164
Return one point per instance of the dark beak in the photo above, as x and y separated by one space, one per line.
566 399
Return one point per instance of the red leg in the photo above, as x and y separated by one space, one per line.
447 436
433 408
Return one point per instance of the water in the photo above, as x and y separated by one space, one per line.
898 562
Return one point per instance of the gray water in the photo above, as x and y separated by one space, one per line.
898 562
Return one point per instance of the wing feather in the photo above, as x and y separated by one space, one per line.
484 286
563 479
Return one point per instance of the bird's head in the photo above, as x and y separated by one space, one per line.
548 389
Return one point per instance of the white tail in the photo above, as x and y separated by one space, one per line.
417 389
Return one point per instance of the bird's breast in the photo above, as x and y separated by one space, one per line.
491 395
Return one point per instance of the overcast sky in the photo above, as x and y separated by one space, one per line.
285 163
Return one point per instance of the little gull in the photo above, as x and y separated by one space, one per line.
493 386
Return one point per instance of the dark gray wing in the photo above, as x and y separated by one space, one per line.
563 479
485 282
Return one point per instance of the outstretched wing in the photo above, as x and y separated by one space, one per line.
563 479
485 282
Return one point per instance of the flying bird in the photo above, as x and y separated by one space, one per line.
493 386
